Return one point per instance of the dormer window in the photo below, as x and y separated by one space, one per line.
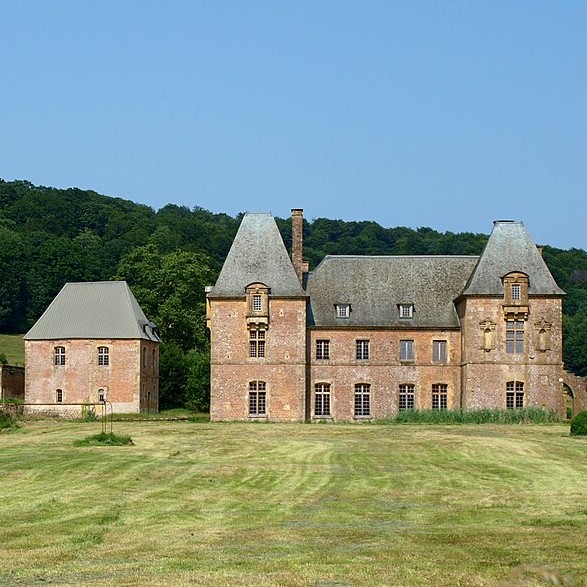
515 295
343 310
516 292
406 310
257 304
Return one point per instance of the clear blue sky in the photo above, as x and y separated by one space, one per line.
447 114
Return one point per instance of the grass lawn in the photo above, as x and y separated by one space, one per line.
12 345
293 505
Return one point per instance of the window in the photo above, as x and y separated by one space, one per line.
516 292
407 394
439 396
103 355
406 310
256 344
322 349
362 400
322 399
59 396
144 357
514 336
154 364
439 351
257 398
343 310
514 395
406 350
101 395
59 355
362 349
257 303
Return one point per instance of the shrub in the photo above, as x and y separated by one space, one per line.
485 416
104 439
579 424
7 420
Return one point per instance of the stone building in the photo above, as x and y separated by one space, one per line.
11 382
362 337
93 344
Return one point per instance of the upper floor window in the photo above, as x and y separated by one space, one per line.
362 399
59 355
362 349
439 396
257 302
406 310
322 349
516 291
514 395
103 355
514 336
144 357
406 350
343 310
407 396
322 399
257 398
439 351
256 343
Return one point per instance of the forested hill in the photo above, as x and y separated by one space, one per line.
51 236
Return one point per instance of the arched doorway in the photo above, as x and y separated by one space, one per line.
569 401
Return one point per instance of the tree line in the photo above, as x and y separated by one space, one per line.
52 236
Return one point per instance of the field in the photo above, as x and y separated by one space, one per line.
12 345
293 505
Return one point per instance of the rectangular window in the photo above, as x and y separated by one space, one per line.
322 399
323 350
343 310
257 398
406 310
103 355
257 344
362 349
257 305
59 355
440 396
439 351
514 395
516 291
59 396
144 357
406 350
362 400
407 395
514 336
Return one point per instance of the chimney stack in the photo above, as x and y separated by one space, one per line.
297 241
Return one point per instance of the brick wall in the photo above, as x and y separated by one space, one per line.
129 381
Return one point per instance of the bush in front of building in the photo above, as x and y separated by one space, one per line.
579 424
484 416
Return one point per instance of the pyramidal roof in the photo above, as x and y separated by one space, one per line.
94 310
257 255
510 248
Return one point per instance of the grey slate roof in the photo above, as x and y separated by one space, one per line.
375 285
257 255
93 310
511 248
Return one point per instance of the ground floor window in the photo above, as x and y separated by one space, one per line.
439 396
362 399
322 399
514 395
59 396
257 398
407 396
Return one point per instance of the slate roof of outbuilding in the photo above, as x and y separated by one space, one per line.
375 285
93 310
511 248
257 255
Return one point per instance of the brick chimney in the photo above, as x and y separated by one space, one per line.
297 241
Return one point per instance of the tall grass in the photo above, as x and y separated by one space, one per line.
485 416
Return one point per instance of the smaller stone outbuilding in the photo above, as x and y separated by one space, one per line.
93 345
11 382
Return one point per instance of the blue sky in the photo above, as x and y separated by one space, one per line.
446 114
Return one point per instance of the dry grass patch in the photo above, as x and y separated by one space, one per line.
294 505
